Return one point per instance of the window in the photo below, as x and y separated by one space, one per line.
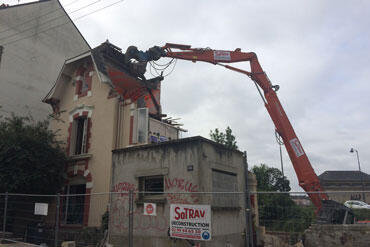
152 185
73 206
78 141
84 87
142 125
83 80
224 182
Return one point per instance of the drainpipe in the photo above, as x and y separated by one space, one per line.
248 213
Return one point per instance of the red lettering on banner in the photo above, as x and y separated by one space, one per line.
189 213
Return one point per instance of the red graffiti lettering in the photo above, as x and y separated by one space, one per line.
180 184
124 187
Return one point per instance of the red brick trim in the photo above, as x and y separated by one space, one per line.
82 71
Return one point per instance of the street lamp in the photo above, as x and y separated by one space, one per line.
359 169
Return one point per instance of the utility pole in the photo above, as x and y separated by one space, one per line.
359 169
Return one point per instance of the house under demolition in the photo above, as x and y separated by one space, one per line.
100 105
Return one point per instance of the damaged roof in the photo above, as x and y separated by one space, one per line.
109 62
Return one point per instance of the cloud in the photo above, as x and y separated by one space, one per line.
317 51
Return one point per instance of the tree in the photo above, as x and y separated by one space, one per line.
31 159
270 179
277 211
227 138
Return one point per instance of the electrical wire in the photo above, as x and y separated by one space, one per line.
50 20
159 71
279 139
78 18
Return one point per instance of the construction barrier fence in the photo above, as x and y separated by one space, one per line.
132 218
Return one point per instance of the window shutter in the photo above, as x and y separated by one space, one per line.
72 138
84 136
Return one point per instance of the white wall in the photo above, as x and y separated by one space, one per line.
32 57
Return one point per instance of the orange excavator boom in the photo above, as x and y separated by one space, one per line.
307 177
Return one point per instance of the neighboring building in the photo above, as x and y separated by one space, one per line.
186 165
35 40
301 200
93 119
346 181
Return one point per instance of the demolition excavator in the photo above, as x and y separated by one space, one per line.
327 211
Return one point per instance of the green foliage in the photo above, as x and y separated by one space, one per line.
278 212
361 214
270 179
104 221
31 160
227 138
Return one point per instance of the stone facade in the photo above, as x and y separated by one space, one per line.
337 235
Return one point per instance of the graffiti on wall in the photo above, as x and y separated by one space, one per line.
124 188
181 185
159 223
120 218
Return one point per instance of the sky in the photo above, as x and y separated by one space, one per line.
316 51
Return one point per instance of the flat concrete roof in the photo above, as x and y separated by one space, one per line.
175 142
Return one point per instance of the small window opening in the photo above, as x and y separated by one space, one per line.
84 86
152 185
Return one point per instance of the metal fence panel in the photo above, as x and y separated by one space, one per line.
121 219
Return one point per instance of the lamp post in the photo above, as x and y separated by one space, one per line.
359 169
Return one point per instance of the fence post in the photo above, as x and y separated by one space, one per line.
248 214
131 219
5 212
57 221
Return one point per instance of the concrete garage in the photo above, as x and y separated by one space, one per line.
187 165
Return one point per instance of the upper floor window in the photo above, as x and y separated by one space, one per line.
83 80
84 87
78 141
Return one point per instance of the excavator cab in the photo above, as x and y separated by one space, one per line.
333 212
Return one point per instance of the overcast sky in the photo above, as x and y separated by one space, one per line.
317 51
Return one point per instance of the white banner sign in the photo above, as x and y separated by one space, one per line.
150 209
41 209
189 221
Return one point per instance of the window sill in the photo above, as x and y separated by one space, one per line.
74 226
160 199
216 207
78 157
